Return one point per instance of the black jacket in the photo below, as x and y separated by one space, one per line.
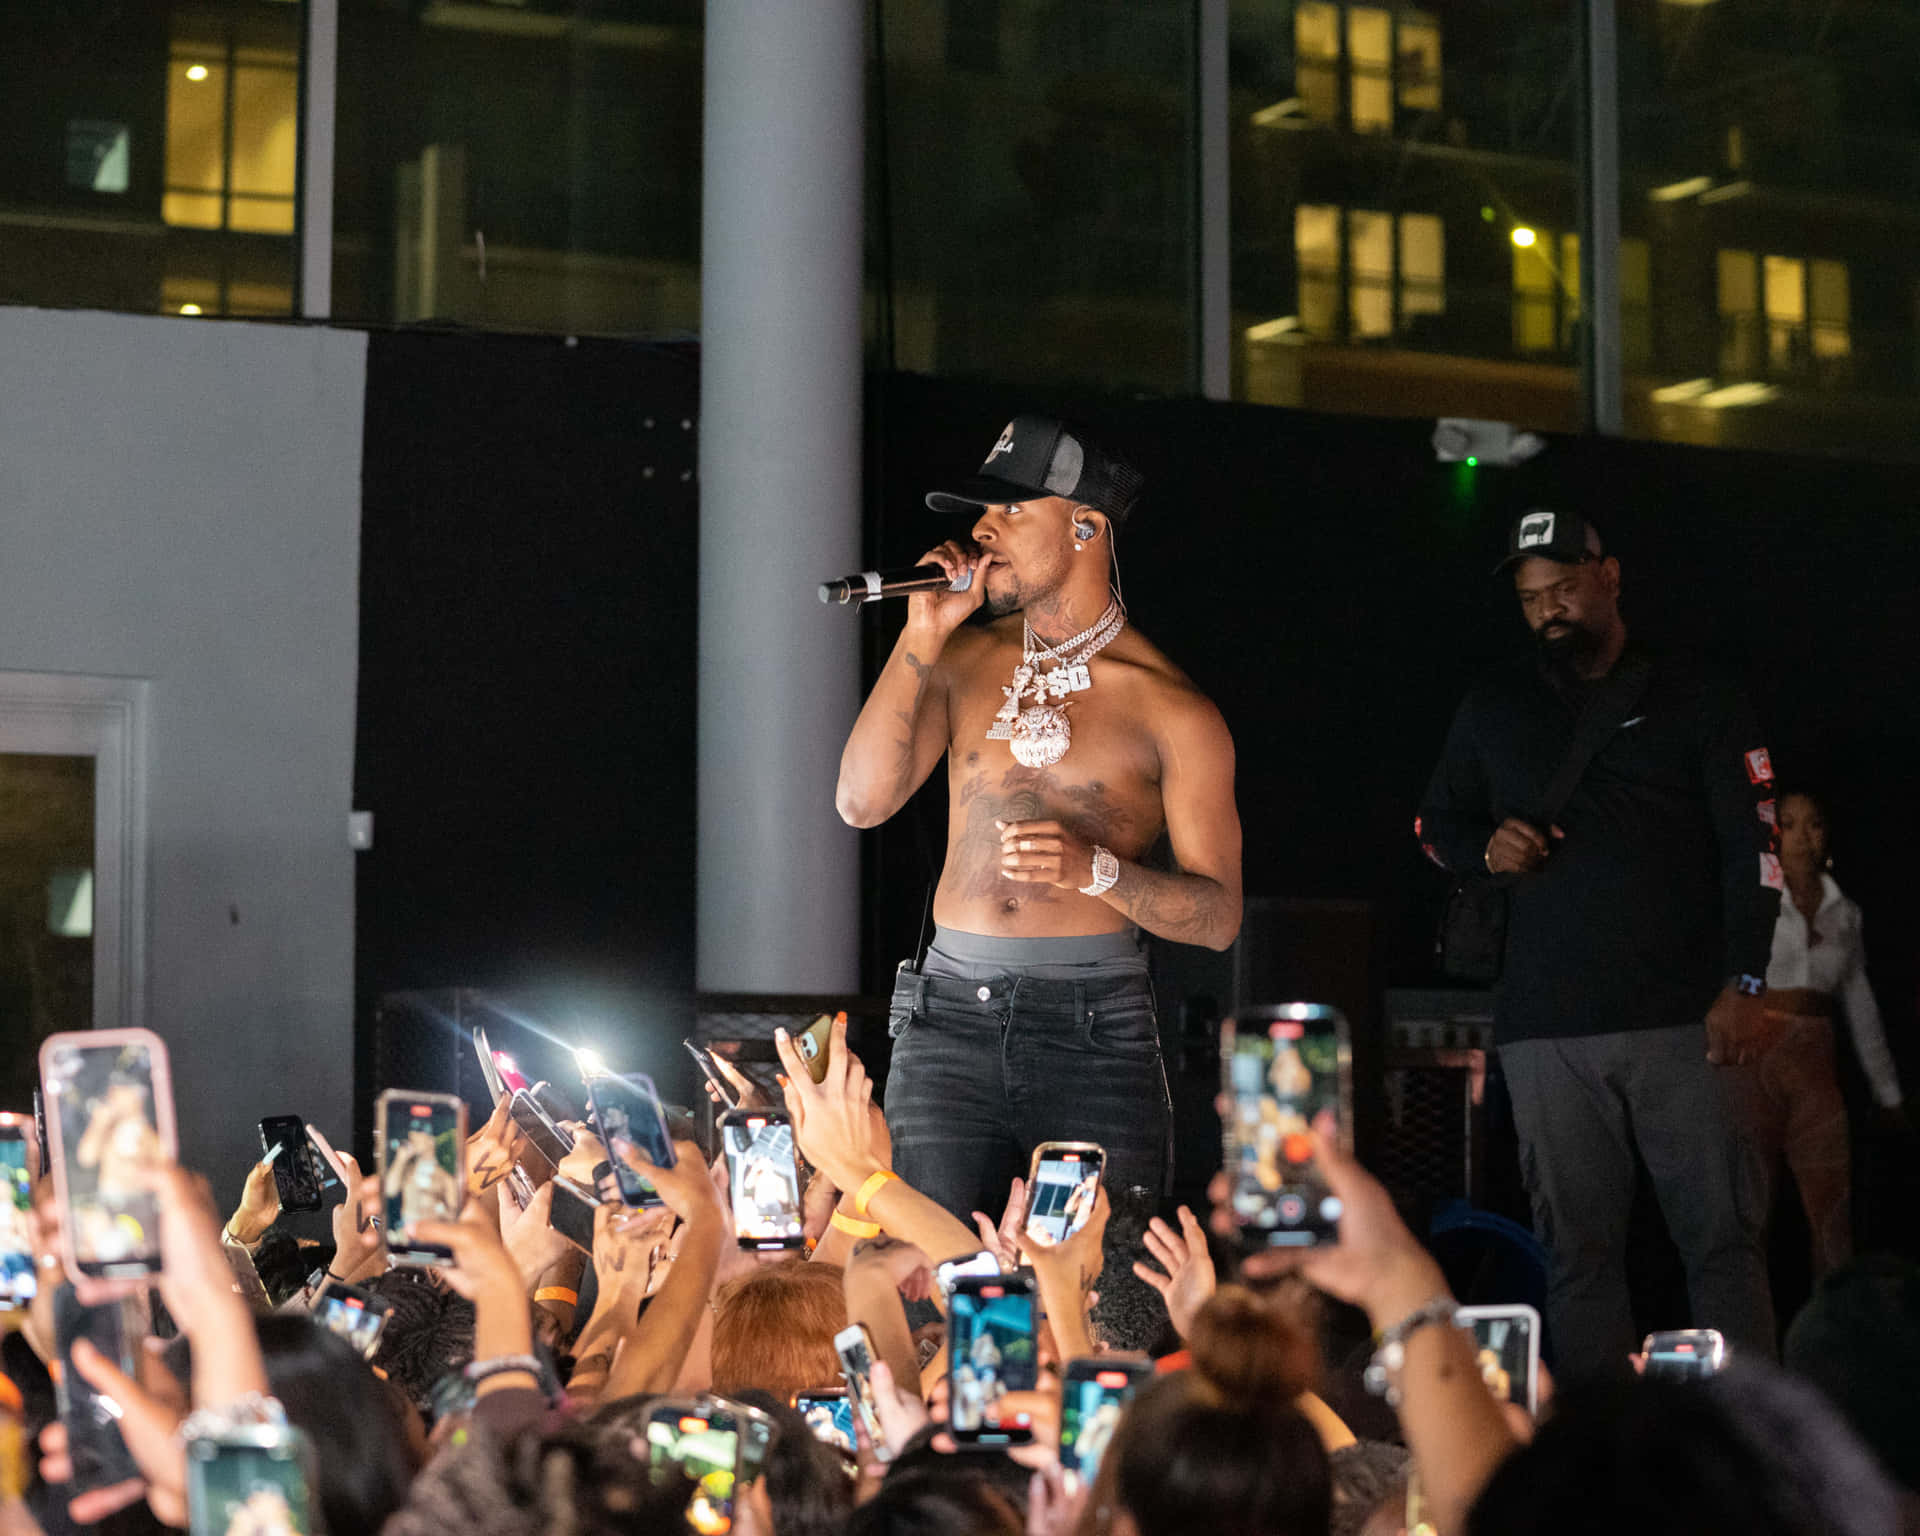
1667 883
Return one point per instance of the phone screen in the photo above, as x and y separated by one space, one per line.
420 1155
552 1143
628 1109
948 1271
253 1483
357 1316
705 1448
296 1171
100 1456
1691 1355
572 1212
1091 1403
109 1131
1280 1074
856 1369
1507 1352
1064 1185
829 1417
991 1350
764 1179
19 1281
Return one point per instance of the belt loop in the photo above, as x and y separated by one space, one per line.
1080 1009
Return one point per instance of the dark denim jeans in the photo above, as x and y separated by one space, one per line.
985 1070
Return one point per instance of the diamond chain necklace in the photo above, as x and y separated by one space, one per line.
1039 732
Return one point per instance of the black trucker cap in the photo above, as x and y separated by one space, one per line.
1549 535
1037 457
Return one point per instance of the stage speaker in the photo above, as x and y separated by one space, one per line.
1432 1134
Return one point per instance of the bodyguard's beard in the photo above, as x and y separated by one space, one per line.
1569 644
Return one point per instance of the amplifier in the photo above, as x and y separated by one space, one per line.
1429 1145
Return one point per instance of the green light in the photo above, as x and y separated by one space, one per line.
1486 213
1473 463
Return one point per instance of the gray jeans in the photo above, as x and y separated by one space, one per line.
1582 1107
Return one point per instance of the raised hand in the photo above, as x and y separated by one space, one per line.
359 1243
941 613
1186 1276
259 1206
1066 1272
149 1423
687 1187
493 1150
529 1234
832 1120
1377 1264
1002 1240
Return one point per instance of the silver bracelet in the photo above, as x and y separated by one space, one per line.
1382 1375
1106 872
248 1412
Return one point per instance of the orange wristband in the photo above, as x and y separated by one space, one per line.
871 1188
845 1223
557 1293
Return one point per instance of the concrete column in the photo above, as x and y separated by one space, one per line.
780 395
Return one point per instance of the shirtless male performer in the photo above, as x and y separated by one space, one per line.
1072 743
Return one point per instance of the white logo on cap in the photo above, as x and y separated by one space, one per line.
1005 445
1536 528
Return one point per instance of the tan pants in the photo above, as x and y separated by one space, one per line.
1789 1102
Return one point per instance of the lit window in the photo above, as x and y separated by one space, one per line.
1832 310
1387 60
1784 282
1316 52
1370 253
1394 268
1417 66
1370 68
1316 245
232 137
1423 265
1546 296
1784 316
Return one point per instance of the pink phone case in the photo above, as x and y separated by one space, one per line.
162 1078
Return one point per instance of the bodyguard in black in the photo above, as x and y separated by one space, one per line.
1639 926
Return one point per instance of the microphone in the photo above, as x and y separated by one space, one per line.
866 586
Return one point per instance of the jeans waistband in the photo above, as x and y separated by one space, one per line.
1073 957
996 992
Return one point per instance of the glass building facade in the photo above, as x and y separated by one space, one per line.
1401 211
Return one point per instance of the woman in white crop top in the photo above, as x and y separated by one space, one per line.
1792 1101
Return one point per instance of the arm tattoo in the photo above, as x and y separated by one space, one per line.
1188 909
903 769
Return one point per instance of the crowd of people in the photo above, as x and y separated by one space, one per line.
518 1384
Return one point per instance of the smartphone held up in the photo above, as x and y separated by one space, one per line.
626 1111
420 1142
1062 1183
19 1278
109 1122
1281 1067
763 1179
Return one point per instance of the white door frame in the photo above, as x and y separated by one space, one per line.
104 718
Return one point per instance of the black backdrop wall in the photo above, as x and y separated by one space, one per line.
527 653
528 548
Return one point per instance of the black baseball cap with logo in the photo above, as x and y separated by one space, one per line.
1548 534
1037 457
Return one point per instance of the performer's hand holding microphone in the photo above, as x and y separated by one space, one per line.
945 588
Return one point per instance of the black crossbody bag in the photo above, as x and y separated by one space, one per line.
1472 943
